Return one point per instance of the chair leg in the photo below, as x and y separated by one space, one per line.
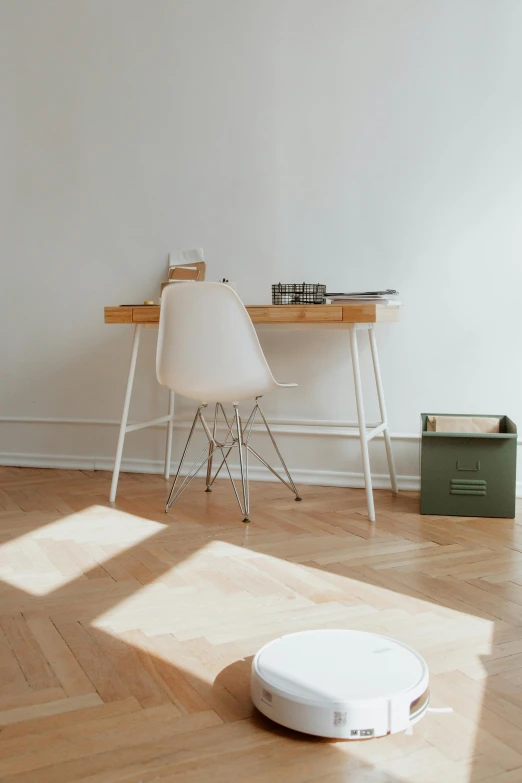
290 484
226 444
211 449
243 464
222 446
182 460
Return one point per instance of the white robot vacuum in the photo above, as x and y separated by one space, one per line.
340 684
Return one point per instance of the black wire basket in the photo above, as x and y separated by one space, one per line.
298 293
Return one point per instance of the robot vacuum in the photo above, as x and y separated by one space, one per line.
340 684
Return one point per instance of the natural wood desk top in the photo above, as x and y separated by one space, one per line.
272 314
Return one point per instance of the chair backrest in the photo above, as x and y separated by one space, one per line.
208 349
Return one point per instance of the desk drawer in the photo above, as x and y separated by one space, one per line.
118 315
295 314
145 315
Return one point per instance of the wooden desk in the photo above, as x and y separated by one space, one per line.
272 314
351 317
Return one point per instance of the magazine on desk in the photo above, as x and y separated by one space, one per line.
386 297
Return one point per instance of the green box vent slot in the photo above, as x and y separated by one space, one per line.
468 487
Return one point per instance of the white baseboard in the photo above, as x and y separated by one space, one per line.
327 478
291 427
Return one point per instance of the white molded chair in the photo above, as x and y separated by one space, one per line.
208 351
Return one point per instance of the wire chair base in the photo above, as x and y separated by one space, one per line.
237 436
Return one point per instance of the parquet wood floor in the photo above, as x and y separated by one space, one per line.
126 635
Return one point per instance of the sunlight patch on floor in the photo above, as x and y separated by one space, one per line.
49 557
223 591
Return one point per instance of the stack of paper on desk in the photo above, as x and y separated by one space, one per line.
386 297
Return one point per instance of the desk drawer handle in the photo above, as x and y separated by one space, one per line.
477 466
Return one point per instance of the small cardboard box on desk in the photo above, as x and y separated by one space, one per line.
185 265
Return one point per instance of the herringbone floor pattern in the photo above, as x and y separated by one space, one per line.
126 635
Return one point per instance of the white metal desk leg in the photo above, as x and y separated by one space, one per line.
362 422
168 450
125 414
382 407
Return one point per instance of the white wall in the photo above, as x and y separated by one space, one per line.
360 143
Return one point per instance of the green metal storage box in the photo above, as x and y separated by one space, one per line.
469 475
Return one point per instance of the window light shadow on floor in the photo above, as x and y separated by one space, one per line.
135 620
